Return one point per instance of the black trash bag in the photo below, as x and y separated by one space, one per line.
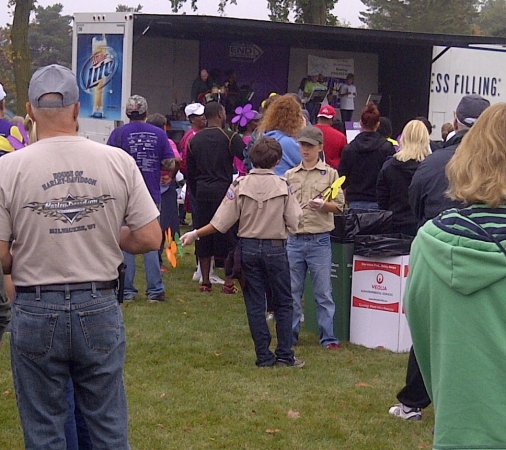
360 222
383 245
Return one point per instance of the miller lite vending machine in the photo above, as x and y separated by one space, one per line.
101 60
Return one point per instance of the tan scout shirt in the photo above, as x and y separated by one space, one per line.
307 185
264 205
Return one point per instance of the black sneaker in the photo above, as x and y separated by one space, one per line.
287 363
158 299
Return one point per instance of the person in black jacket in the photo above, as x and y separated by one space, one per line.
396 174
362 160
427 192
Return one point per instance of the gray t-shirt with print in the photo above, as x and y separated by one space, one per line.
63 200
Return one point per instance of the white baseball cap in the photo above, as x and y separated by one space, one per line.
194 109
2 92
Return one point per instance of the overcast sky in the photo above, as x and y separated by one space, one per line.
246 9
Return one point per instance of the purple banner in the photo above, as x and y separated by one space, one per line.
261 67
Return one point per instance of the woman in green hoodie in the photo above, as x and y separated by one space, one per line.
455 301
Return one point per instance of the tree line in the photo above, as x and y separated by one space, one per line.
466 17
42 35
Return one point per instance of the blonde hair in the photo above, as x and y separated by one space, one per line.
476 171
284 114
415 142
31 129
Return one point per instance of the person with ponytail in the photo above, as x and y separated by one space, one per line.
362 160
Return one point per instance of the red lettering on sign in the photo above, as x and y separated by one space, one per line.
388 307
377 265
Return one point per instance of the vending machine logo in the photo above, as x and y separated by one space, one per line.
99 69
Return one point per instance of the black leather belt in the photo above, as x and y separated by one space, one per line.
273 242
69 287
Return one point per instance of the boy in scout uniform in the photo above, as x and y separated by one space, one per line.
265 207
308 247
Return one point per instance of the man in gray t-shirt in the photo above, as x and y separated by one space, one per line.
64 199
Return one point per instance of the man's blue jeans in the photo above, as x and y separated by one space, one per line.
266 264
154 283
313 252
76 431
78 335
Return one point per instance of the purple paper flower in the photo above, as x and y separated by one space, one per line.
16 132
244 114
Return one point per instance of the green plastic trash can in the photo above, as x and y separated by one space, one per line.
341 271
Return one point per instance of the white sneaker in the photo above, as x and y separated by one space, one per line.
197 276
270 316
405 412
213 278
302 318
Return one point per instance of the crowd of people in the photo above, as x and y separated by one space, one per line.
258 187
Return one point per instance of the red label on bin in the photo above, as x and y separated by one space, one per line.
366 304
377 265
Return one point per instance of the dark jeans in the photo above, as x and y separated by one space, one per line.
169 215
407 229
182 213
414 393
264 263
362 205
346 115
268 298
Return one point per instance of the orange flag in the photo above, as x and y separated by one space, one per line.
170 248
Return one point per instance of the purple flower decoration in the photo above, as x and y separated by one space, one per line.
18 136
244 114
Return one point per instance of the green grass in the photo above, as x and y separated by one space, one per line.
192 383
